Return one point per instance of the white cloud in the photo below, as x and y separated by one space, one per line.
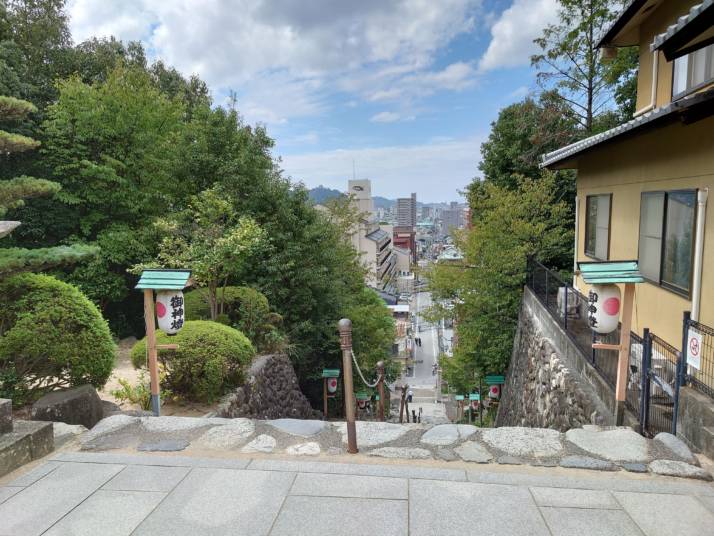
513 33
302 45
441 168
390 117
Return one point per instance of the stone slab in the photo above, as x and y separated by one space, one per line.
311 448
170 424
5 415
8 491
675 445
336 516
28 441
367 487
680 469
230 436
263 443
666 514
589 522
586 462
398 471
594 480
147 478
177 461
447 434
35 474
370 434
437 507
404 453
633 467
298 427
64 433
524 442
164 445
620 444
574 498
109 513
108 426
446 454
38 507
220 502
471 451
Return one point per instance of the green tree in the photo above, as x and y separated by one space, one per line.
13 193
569 63
208 238
486 290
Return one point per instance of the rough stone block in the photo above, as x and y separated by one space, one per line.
5 416
680 469
79 405
678 447
28 441
42 437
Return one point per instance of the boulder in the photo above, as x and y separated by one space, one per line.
79 405
270 392
5 416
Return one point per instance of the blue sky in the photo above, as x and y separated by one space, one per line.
405 89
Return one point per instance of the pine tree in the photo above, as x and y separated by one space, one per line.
14 191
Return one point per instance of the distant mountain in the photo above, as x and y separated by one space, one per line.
383 202
321 194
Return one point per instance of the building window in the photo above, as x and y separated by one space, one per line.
667 238
597 226
693 71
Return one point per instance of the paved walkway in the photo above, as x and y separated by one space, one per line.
79 493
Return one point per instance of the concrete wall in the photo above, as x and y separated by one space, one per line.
549 383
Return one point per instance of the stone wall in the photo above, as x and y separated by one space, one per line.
270 392
544 387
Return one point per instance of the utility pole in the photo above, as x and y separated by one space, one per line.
380 387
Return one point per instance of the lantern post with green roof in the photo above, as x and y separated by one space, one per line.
151 280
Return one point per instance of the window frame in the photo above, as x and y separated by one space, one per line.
591 254
693 89
665 214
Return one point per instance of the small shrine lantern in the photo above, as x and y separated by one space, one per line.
170 311
604 308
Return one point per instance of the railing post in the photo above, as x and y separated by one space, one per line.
648 383
681 367
565 313
686 321
546 288
345 327
380 388
643 379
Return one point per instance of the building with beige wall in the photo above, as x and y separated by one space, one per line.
642 187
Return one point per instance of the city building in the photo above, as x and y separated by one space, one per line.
642 187
451 218
407 211
405 237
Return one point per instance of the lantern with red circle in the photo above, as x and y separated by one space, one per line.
494 391
170 311
604 308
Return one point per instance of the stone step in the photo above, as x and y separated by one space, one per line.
5 415
28 441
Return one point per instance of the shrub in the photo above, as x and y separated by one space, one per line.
51 336
245 308
208 362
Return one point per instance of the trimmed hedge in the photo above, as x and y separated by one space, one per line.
51 336
209 361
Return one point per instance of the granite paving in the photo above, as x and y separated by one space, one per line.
122 494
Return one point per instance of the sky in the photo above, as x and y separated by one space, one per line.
398 91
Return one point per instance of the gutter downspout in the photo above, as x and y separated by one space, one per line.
699 251
577 235
653 97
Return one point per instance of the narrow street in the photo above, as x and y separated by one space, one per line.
422 379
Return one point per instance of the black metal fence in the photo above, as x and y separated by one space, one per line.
569 308
660 388
699 348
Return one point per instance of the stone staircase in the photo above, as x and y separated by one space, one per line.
22 441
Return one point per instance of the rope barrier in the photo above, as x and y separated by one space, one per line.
359 371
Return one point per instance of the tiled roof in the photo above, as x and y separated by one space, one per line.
639 122
632 7
695 15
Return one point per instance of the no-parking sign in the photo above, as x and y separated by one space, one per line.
694 348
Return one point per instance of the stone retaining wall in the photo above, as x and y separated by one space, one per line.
544 387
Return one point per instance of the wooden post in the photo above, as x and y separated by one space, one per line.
324 398
152 351
380 388
623 359
345 327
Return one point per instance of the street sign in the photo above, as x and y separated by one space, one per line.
330 373
474 396
459 398
495 380
694 349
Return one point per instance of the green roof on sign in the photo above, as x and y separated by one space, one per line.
330 373
459 397
474 396
610 272
159 279
362 395
495 380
